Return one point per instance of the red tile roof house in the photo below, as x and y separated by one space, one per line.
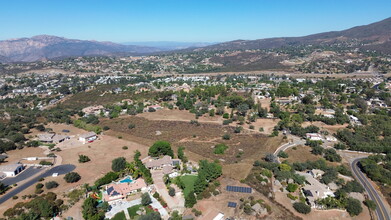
165 163
118 191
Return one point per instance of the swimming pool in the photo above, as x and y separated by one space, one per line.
126 180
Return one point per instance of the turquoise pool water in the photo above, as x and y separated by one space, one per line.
126 180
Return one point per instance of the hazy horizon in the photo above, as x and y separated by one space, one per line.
184 21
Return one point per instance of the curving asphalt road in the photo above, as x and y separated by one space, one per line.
381 210
61 169
286 146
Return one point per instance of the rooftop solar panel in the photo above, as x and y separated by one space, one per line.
239 189
232 204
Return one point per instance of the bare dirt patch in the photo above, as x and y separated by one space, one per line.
332 129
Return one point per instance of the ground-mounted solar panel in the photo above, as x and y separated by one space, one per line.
232 204
239 189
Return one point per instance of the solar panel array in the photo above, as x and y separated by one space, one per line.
232 204
239 189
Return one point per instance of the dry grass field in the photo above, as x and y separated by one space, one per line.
198 140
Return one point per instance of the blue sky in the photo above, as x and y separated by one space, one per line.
184 20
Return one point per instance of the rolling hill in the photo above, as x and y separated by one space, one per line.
372 36
45 47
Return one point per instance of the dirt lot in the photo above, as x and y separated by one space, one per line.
198 140
301 154
15 156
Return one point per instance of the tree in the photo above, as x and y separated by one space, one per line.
370 204
145 199
317 150
270 158
332 156
302 207
118 164
83 158
175 216
89 208
72 177
171 191
160 148
353 206
190 200
242 109
181 154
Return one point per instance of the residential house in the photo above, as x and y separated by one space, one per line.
314 190
165 163
117 190
314 137
52 138
92 110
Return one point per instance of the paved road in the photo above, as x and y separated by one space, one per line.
30 171
61 169
381 210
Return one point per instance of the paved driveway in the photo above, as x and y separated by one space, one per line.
62 169
29 172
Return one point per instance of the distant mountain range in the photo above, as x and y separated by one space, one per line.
45 47
171 45
375 36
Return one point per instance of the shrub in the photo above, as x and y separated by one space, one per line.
226 136
171 191
45 163
131 126
227 122
83 158
124 147
302 207
39 186
220 148
238 129
105 128
51 184
145 199
226 115
291 187
283 154
261 129
72 177
292 197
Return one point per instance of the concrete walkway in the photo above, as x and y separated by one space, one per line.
122 206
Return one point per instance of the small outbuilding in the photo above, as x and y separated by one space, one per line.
88 137
11 170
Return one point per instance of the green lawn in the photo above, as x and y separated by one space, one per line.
188 180
132 210
119 216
